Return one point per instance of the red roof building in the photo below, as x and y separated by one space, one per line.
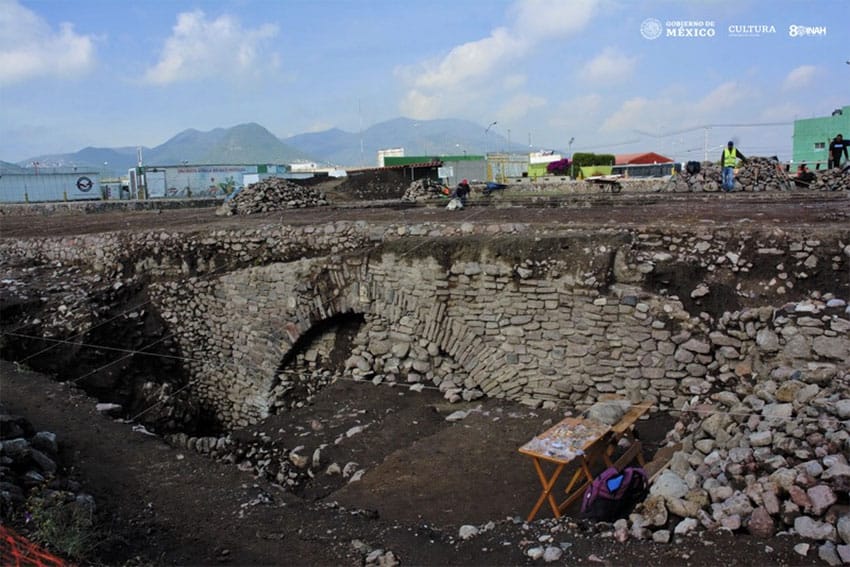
646 158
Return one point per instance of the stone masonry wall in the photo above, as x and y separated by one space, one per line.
541 332
542 316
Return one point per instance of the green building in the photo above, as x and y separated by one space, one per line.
451 168
813 135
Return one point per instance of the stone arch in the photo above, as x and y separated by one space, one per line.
357 286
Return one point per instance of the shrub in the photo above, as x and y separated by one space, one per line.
588 159
63 524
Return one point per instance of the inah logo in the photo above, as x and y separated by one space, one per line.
801 31
650 28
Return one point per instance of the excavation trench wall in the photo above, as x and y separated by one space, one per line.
542 316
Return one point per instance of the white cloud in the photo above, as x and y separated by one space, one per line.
800 77
668 112
520 105
463 77
470 60
725 97
319 126
515 81
610 66
634 113
580 106
781 112
420 105
30 48
541 19
201 47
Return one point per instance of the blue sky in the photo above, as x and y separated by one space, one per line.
108 73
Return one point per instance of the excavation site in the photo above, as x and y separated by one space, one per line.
319 375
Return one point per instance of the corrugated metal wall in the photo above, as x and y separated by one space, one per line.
466 169
17 187
501 167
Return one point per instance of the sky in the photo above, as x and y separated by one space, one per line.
613 76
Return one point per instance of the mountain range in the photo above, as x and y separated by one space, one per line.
253 144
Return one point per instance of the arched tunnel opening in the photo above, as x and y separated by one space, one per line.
316 358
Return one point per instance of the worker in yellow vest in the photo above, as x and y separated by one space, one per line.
729 160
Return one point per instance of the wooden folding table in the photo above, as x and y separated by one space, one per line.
586 441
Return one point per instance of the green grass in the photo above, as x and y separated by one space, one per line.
62 525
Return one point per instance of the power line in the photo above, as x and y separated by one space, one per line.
704 126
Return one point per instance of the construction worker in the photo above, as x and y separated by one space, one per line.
462 191
836 147
729 161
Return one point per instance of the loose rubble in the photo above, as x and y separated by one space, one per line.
831 180
762 390
30 468
757 174
272 194
424 190
766 452
763 174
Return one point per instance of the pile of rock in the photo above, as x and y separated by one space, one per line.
757 174
271 194
763 174
28 465
764 456
297 387
831 180
424 190
708 179
397 357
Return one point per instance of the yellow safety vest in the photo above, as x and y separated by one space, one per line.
730 157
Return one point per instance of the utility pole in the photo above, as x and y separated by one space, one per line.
360 115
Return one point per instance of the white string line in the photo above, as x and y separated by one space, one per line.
72 342
335 213
338 377
166 337
417 386
187 359
158 402
209 274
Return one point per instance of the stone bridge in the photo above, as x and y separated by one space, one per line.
542 316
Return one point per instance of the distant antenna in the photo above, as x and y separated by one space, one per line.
360 115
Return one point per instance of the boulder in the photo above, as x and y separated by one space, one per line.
761 524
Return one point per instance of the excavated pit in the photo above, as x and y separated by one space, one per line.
283 355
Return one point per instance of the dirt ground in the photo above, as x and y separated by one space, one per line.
424 476
582 211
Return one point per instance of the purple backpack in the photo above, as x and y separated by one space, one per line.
612 494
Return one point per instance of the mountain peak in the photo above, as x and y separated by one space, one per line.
252 143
